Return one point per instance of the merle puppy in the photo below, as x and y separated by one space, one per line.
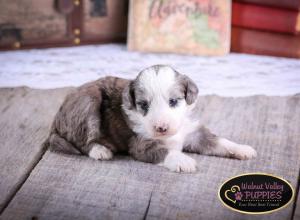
153 118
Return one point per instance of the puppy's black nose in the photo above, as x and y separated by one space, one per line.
161 129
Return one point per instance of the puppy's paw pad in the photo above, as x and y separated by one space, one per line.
245 152
99 152
178 162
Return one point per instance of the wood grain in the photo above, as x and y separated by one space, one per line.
25 120
76 187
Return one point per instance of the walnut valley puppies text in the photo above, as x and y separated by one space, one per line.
264 191
256 193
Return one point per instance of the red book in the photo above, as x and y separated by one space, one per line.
289 4
265 18
264 43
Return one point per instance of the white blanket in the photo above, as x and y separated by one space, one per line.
231 75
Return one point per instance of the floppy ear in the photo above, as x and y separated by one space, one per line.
128 96
190 89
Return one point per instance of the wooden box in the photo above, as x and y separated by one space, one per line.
51 23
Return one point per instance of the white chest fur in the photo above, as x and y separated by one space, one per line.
176 141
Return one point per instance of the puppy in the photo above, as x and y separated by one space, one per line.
154 118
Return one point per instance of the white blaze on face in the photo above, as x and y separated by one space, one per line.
158 89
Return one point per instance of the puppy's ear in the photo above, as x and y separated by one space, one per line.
129 96
190 89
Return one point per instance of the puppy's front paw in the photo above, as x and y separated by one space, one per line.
244 152
100 152
179 162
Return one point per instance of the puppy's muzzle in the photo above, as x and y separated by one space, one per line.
161 129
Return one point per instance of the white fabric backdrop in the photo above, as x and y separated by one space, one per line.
231 75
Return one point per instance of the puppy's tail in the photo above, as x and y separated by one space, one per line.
58 144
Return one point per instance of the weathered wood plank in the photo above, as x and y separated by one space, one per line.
271 125
76 187
297 207
25 119
67 187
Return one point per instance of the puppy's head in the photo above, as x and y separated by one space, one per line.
157 100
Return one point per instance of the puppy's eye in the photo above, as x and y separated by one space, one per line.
143 105
173 102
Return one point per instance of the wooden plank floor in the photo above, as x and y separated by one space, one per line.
76 187
25 120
